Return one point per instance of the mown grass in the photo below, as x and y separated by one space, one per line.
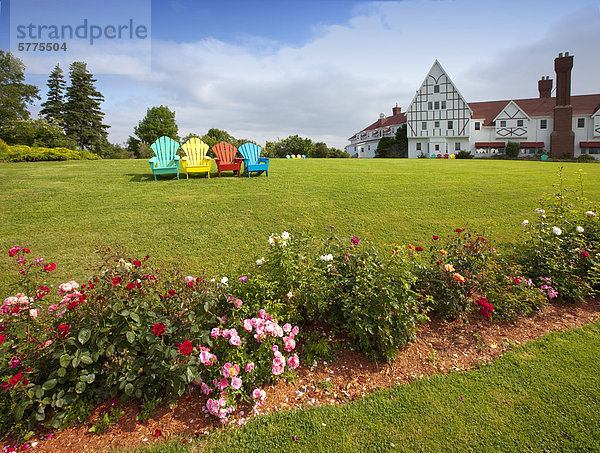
542 397
64 210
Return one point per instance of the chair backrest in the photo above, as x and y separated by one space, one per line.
225 152
165 149
250 152
195 151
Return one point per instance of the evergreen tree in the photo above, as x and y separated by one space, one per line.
83 116
53 109
14 94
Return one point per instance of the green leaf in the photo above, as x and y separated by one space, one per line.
61 372
64 360
125 313
130 337
85 358
39 391
84 335
110 350
80 387
91 378
135 317
49 385
129 389
75 362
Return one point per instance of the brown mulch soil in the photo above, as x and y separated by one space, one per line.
441 347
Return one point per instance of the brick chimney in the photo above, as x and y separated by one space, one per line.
545 87
562 140
396 110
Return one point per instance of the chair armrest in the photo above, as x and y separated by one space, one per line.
263 160
178 157
152 160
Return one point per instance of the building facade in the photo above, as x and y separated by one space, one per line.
364 143
440 121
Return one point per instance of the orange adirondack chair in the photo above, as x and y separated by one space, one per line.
226 160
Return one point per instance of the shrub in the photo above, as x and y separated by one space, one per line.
451 272
561 250
464 155
586 158
508 291
22 153
371 297
512 150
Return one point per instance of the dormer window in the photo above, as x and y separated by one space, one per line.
520 123
436 88
502 123
477 125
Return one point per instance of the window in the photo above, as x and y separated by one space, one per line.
436 124
580 122
520 123
543 124
418 146
594 150
457 146
443 105
437 147
502 123
450 125
477 126
362 150
429 105
424 125
437 105
369 148
436 88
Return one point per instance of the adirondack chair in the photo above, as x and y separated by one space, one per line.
166 160
226 160
252 160
196 160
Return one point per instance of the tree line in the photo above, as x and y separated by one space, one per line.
71 117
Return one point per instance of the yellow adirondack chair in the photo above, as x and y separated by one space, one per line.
196 160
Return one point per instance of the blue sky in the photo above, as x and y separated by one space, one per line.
325 69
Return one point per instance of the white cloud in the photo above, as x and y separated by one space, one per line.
337 83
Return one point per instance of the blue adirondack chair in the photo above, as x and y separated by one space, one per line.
252 160
166 160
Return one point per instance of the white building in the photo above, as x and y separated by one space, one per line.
440 122
364 143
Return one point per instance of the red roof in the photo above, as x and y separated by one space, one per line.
589 144
490 144
394 120
532 144
585 104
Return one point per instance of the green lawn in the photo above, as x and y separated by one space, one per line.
542 397
64 210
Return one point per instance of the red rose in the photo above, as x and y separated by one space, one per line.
186 347
116 281
2 338
130 285
64 329
157 433
73 305
27 250
50 267
435 238
172 292
16 379
5 386
158 329
137 263
459 230
419 249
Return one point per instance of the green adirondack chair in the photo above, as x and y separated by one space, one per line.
166 160
252 160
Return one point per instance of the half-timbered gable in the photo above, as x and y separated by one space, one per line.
438 118
512 122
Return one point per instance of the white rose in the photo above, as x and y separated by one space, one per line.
260 261
524 222
285 235
556 231
591 214
579 229
290 295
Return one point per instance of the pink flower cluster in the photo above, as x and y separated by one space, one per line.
13 305
206 357
231 334
216 407
72 297
236 302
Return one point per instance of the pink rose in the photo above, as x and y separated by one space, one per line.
206 389
248 325
34 312
249 367
294 362
235 341
223 384
287 327
237 303
236 383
